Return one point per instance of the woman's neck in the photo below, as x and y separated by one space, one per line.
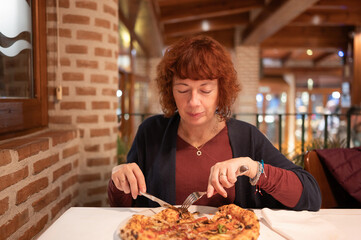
199 135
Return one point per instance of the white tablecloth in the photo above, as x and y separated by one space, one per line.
102 223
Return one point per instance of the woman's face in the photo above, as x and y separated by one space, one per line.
196 100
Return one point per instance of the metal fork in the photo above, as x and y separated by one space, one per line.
192 198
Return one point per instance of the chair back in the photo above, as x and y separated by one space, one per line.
333 195
314 166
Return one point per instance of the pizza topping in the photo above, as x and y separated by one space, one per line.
221 228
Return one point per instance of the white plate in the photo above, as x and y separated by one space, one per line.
203 211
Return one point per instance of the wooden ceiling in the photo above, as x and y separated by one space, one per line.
284 29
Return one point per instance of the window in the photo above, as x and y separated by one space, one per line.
23 83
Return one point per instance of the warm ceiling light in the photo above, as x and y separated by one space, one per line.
316 20
309 52
205 25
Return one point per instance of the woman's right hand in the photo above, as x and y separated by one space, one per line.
129 178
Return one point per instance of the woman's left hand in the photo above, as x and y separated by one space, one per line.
224 174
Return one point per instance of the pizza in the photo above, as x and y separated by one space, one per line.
229 222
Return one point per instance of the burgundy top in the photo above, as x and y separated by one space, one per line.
282 184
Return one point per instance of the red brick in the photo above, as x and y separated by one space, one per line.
112 39
81 49
64 3
36 186
110 118
65 91
83 91
115 130
12 178
60 119
64 32
89 35
64 61
97 78
73 76
27 147
115 105
76 193
109 146
46 200
103 52
87 64
109 92
89 177
14 224
76 163
52 31
51 17
4 205
102 23
61 171
70 151
5 157
87 119
92 148
101 105
91 162
76 19
97 191
35 229
51 76
42 164
59 137
87 5
72 105
69 182
111 66
99 132
115 27
59 206
110 10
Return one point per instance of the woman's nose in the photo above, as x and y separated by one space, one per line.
194 99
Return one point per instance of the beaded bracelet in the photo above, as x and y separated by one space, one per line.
253 181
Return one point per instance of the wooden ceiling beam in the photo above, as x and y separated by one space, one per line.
334 71
132 33
327 18
225 37
191 11
322 57
309 37
276 15
216 23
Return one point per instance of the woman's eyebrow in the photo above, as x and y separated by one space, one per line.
180 83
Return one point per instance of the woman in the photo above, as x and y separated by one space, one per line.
196 146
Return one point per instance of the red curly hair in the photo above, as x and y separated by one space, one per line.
197 58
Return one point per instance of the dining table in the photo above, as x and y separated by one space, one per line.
96 223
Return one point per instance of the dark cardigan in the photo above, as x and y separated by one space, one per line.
154 150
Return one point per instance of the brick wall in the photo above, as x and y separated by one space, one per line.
38 181
87 50
69 164
247 64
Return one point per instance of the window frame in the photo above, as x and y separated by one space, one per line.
34 111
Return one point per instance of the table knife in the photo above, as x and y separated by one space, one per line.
155 199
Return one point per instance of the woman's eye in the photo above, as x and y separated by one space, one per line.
206 91
182 91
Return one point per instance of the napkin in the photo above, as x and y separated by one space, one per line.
299 225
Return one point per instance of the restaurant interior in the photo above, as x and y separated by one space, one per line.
77 79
